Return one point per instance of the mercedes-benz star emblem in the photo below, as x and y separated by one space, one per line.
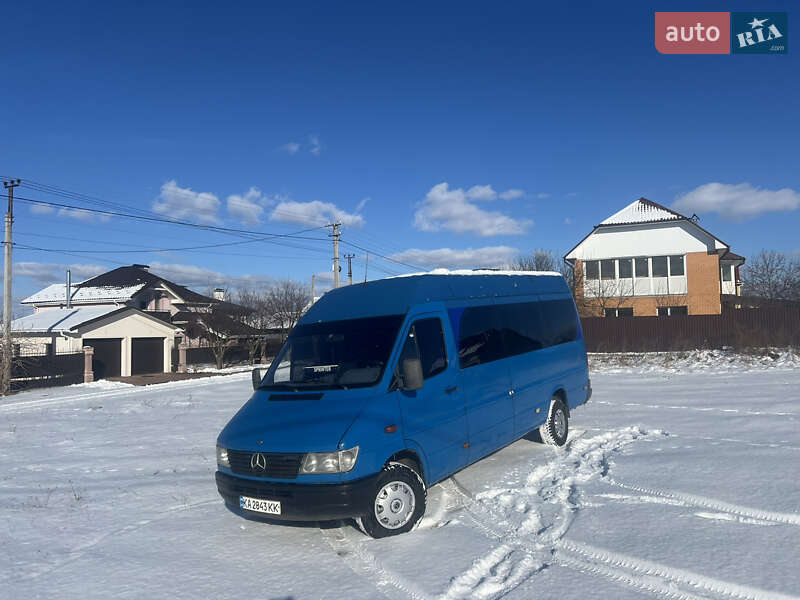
258 461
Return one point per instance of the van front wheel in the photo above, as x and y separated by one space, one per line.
554 431
397 503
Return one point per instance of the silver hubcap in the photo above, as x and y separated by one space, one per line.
394 504
560 423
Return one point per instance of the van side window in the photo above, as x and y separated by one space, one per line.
481 336
430 341
425 341
493 332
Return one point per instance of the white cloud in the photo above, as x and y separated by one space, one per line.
737 202
82 215
183 203
291 148
512 194
481 193
542 196
362 204
248 208
48 273
453 210
316 145
201 279
490 256
314 213
42 209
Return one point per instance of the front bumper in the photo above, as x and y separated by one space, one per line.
299 501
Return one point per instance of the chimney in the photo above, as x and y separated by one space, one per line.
219 294
69 289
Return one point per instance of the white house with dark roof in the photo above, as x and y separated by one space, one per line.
130 316
648 260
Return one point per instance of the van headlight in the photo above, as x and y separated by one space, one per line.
222 457
329 462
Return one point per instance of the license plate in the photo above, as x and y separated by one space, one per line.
270 507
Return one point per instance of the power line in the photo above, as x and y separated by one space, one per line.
392 260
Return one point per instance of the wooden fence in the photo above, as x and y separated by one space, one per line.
744 328
45 371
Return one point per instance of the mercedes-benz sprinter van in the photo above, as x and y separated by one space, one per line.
385 388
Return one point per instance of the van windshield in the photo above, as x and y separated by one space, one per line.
334 354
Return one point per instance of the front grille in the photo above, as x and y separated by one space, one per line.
279 466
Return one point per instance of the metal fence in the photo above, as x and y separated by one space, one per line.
744 328
29 372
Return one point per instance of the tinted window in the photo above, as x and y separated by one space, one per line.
659 266
726 273
663 311
675 265
430 341
642 268
679 310
625 268
624 312
492 332
611 312
481 337
592 269
607 269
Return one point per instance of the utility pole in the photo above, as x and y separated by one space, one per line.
313 277
350 258
336 268
9 185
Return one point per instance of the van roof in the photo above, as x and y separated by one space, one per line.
396 295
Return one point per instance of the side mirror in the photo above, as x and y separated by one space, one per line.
412 374
256 378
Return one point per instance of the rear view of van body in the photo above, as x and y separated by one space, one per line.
385 388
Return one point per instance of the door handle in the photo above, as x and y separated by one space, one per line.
451 389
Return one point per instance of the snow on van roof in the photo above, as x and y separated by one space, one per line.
478 272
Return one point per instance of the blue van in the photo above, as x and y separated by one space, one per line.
385 388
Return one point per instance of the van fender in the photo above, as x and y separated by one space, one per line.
414 447
560 390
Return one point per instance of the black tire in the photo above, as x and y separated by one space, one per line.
408 488
554 431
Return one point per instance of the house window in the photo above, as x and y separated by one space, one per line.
625 268
672 311
642 267
592 269
659 266
619 312
676 266
727 273
607 269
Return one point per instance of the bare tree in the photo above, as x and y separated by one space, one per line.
772 275
286 301
538 260
258 317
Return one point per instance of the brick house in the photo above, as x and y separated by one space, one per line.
648 260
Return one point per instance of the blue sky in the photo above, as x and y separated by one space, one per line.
394 118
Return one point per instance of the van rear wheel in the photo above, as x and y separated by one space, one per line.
554 431
397 502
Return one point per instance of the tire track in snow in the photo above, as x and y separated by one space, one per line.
737 411
710 503
344 541
653 576
530 526
525 548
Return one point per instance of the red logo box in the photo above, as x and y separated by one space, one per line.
693 32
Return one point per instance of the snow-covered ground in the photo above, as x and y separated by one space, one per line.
674 484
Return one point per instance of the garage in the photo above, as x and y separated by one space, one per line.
147 355
106 361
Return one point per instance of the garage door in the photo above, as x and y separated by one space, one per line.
147 355
107 357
